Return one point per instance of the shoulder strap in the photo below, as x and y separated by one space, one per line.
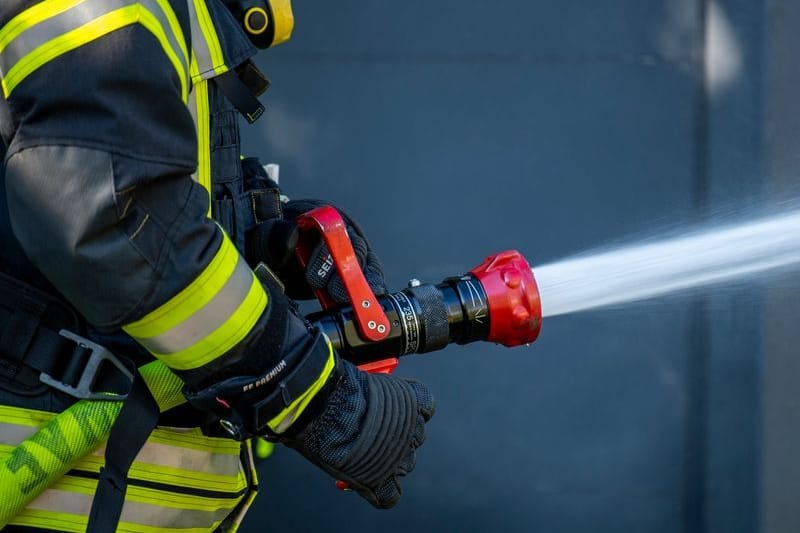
133 426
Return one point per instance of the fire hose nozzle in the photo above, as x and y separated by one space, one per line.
497 301
513 298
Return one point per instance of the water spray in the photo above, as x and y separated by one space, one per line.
664 266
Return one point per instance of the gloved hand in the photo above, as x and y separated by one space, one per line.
368 433
287 383
274 241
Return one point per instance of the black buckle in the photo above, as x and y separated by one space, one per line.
91 371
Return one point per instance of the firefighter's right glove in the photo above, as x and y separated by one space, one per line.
368 433
286 383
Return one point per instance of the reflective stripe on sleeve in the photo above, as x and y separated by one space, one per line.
207 318
50 29
199 108
286 418
205 43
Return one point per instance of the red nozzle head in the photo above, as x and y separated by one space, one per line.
515 313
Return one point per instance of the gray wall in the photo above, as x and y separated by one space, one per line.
452 130
781 364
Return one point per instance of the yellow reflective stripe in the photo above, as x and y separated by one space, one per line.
231 333
193 480
177 31
194 439
149 21
191 299
229 478
242 511
24 417
171 510
205 42
210 37
232 482
41 34
284 419
145 495
86 33
206 319
69 41
251 496
77 524
32 16
56 521
201 114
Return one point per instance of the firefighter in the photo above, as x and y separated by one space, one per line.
125 231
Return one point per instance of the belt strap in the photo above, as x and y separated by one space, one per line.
26 341
133 426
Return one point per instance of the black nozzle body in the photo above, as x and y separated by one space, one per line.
422 318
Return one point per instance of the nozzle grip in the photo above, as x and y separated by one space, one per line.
373 325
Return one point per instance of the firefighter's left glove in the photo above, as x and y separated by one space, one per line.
273 242
274 239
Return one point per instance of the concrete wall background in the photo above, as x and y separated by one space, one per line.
453 130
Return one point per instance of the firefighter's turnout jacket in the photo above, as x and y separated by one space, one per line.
119 148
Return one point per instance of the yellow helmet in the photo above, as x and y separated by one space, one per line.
266 22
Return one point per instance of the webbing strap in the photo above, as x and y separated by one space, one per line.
136 420
20 329
26 340
240 96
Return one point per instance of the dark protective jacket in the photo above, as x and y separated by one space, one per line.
119 148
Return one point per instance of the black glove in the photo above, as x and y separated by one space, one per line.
368 433
273 242
361 428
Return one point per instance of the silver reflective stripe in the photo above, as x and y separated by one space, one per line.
157 9
77 16
208 318
144 514
50 28
152 453
158 454
13 434
201 35
191 104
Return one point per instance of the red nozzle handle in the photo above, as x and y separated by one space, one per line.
372 322
515 312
